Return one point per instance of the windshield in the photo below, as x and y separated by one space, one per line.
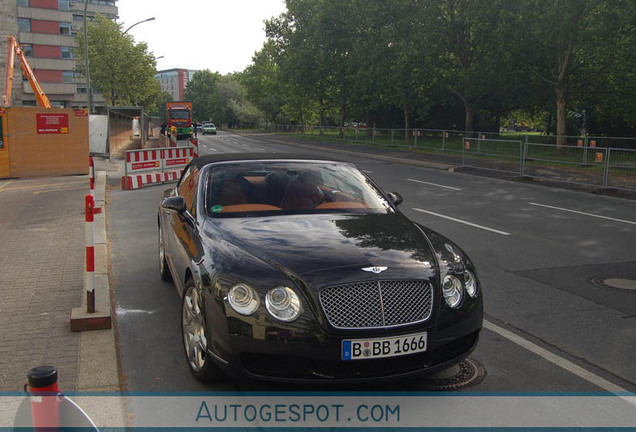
251 188
180 114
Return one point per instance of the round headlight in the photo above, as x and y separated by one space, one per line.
243 299
470 283
452 290
283 303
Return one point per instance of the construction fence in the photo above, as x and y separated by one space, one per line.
603 162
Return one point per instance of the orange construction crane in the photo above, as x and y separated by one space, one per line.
13 49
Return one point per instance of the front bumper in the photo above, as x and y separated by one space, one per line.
313 356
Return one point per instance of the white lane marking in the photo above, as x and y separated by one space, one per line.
259 148
6 184
583 213
558 360
433 184
210 148
367 171
124 311
463 222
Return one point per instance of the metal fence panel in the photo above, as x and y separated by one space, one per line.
492 154
570 164
621 169
608 162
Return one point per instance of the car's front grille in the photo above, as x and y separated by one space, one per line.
377 304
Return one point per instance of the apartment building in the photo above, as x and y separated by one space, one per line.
174 81
46 30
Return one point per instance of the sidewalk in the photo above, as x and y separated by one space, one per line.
42 258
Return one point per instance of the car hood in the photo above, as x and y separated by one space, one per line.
325 250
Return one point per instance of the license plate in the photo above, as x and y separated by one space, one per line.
362 349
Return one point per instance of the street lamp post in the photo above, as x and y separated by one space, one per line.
87 73
143 21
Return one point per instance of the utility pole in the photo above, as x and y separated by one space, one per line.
87 72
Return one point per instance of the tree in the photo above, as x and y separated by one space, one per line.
466 49
262 82
121 70
573 46
202 92
434 61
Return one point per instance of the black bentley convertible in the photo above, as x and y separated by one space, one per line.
303 270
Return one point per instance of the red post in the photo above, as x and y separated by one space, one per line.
89 274
45 404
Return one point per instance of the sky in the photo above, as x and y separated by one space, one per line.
219 35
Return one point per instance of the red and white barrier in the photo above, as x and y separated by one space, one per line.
89 273
195 143
137 181
143 160
150 166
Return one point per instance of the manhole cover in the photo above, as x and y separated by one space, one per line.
467 373
617 282
621 283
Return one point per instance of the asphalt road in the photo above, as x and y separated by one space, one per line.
542 255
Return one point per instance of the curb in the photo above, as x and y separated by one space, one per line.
98 369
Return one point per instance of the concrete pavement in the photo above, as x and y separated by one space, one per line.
42 259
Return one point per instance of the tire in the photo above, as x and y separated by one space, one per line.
164 270
195 335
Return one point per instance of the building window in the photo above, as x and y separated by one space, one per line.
67 77
24 3
63 5
24 25
67 53
81 90
65 29
77 17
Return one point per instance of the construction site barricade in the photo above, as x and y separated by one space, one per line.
156 165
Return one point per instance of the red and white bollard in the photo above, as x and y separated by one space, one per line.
89 274
45 402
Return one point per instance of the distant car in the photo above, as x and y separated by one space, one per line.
208 128
303 270
197 127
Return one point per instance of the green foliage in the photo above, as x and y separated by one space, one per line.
122 70
221 99
331 62
202 92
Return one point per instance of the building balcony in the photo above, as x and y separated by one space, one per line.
46 39
52 64
52 90
45 14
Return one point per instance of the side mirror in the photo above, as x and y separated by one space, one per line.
395 198
174 204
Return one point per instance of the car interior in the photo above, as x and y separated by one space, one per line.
276 190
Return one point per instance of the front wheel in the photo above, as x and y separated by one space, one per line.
195 337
